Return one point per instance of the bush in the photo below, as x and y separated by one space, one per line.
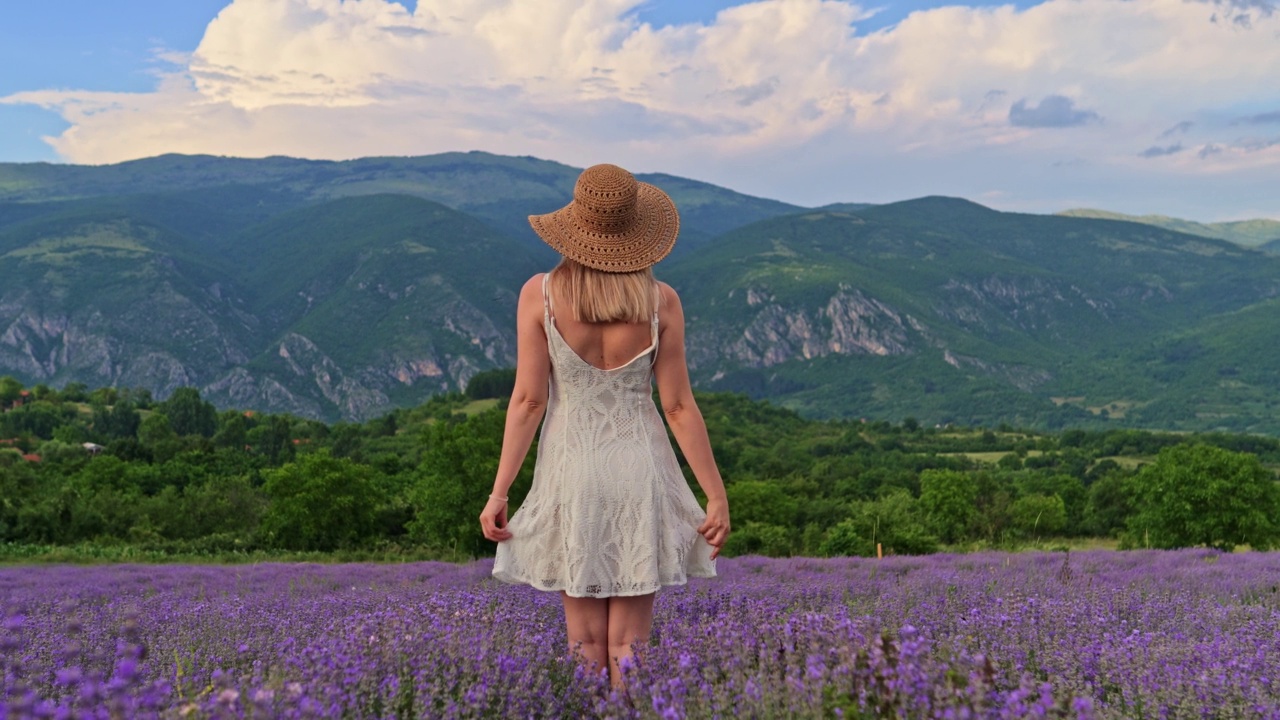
1202 495
319 503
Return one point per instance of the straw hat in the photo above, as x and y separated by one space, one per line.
615 223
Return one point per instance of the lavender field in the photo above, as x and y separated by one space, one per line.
1133 635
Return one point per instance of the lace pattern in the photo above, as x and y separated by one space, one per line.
609 512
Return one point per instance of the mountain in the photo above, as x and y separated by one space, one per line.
344 308
320 288
502 191
342 290
1249 233
946 310
98 294
1221 373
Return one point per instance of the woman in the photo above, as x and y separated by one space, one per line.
609 518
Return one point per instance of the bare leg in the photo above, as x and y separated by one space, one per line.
630 622
587 623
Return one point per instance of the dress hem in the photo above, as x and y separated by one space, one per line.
515 580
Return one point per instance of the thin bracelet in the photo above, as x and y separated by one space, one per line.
495 497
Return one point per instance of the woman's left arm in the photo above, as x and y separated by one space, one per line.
528 403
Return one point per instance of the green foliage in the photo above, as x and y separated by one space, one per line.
894 522
947 499
1110 504
1071 493
758 538
319 502
155 429
233 431
843 540
763 501
118 421
10 390
1038 515
221 505
454 480
497 383
1201 495
419 477
188 414
273 438
38 419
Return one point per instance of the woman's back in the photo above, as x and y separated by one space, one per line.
605 345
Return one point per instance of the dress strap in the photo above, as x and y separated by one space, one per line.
654 324
546 299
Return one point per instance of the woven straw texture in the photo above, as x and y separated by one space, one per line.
615 223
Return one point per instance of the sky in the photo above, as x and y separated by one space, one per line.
1140 106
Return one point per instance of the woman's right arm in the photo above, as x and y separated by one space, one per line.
525 410
687 425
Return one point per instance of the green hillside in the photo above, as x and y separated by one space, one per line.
344 308
401 295
345 289
502 191
1224 373
102 295
950 312
303 257
1249 233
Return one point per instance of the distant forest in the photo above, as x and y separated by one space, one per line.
115 468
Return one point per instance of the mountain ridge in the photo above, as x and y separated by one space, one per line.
342 290
1256 233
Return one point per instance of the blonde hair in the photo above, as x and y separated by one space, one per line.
598 296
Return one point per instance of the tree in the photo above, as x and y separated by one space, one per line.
843 540
39 419
948 499
273 438
104 396
319 503
454 480
1038 514
188 414
233 431
10 390
155 429
75 392
492 384
225 504
1202 495
762 501
1110 504
892 521
1068 487
119 421
757 538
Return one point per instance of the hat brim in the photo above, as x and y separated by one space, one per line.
647 240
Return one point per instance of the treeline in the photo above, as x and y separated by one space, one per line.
117 467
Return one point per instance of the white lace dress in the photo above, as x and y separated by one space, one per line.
609 512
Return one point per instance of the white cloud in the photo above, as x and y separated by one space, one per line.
778 97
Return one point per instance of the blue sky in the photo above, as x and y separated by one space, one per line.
1133 105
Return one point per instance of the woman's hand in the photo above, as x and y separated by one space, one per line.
716 527
493 520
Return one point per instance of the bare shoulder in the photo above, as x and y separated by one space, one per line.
670 313
532 289
533 285
669 297
530 302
